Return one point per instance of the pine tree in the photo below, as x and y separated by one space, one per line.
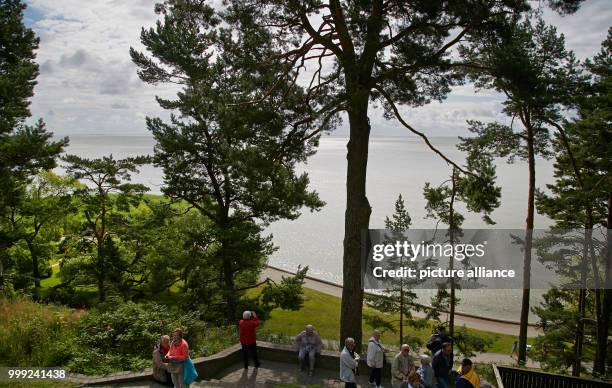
581 195
105 197
24 150
234 163
529 64
399 297
385 53
480 195
38 218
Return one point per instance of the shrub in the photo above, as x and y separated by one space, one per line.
114 337
122 336
29 333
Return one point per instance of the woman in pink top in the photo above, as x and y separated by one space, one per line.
179 351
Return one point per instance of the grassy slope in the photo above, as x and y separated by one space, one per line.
323 312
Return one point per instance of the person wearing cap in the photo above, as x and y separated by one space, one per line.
467 377
401 367
308 344
248 340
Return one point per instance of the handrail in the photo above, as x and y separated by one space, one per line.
512 377
498 379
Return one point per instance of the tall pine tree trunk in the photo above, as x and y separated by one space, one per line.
522 355
100 263
598 300
451 233
230 292
579 338
603 327
229 287
357 216
401 320
101 271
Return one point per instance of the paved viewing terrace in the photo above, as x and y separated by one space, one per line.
270 374
279 368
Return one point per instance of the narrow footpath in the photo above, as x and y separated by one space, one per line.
475 322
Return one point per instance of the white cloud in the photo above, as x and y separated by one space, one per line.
89 84
86 73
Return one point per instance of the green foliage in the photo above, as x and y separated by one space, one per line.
235 163
558 320
469 343
24 150
121 336
476 189
115 337
527 62
32 334
18 71
105 198
288 295
398 299
579 198
38 221
22 154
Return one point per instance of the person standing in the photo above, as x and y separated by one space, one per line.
442 364
349 360
514 351
435 341
426 372
177 354
401 367
308 344
375 358
248 339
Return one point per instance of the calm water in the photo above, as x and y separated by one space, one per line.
396 166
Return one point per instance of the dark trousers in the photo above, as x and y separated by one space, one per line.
442 381
350 385
252 350
375 375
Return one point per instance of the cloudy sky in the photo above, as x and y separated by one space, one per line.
88 85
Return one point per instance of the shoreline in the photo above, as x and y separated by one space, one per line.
496 325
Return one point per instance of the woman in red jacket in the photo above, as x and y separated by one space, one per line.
179 352
247 326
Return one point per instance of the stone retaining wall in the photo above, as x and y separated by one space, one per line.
210 367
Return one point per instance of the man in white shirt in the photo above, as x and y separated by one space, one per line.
349 360
375 358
